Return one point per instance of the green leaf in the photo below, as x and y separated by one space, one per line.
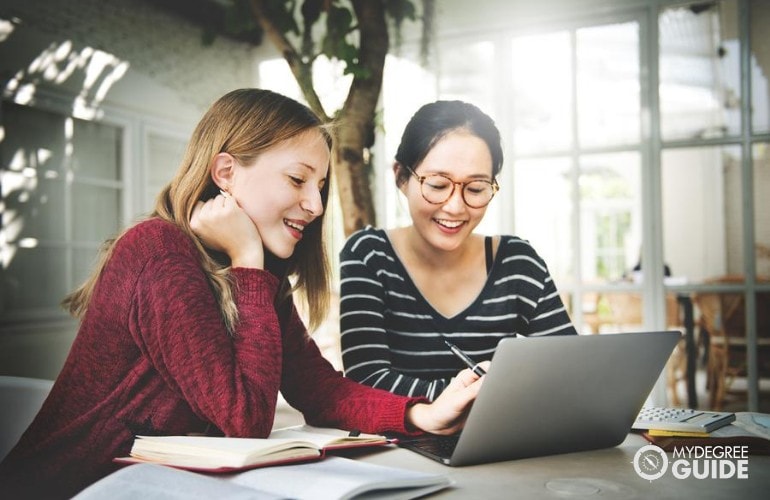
311 12
338 22
282 13
400 10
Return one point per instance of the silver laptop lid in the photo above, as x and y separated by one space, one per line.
560 394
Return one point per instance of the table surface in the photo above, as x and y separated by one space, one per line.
605 473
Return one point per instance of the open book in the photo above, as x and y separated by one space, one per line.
749 428
228 454
330 479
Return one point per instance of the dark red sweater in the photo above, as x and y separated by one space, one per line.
152 356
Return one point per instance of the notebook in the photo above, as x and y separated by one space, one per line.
560 394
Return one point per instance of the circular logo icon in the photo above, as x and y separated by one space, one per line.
650 462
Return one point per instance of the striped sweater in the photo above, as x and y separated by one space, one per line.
393 339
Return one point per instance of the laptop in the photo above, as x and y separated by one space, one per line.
550 395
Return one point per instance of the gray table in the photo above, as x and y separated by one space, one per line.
606 473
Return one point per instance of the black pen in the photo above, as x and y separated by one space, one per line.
475 368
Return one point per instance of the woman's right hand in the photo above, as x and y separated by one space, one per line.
222 225
446 415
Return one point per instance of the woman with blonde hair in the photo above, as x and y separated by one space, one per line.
187 322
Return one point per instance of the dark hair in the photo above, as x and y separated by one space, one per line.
433 121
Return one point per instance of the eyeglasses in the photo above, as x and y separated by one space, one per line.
438 188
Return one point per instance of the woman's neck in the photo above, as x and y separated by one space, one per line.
431 257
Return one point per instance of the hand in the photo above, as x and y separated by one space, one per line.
223 226
446 415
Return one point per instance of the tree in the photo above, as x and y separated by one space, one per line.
356 33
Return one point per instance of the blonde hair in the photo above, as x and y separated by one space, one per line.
242 123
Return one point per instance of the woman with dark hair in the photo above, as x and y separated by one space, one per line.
406 291
187 323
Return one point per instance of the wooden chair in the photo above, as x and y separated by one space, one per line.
723 320
625 312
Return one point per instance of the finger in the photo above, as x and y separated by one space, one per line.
195 217
464 378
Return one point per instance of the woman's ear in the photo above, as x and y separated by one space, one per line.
397 173
222 170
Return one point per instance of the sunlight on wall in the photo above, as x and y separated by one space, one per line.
6 29
61 62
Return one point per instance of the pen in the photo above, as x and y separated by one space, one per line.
475 368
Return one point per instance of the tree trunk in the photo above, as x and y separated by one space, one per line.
355 129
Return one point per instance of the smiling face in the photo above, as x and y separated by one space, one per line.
281 190
462 157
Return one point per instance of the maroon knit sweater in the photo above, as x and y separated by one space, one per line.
152 356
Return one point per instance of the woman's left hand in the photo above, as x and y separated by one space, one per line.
222 225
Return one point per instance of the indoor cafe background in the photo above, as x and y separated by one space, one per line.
634 131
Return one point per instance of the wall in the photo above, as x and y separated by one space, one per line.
165 54
118 60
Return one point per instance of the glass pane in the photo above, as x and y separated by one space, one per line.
164 155
722 323
699 70
33 278
623 311
406 86
95 212
608 85
760 66
548 226
34 140
96 150
619 312
542 93
701 204
83 261
34 207
761 153
466 72
610 215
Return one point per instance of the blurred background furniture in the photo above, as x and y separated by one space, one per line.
622 311
722 322
20 400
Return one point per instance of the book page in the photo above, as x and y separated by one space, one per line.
341 478
324 437
755 423
156 482
216 452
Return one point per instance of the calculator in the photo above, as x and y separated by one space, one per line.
681 419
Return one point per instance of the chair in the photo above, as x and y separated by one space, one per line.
20 400
623 310
723 322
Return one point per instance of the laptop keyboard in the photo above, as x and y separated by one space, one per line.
439 446
681 419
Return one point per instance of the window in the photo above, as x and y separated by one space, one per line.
627 135
62 191
576 154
